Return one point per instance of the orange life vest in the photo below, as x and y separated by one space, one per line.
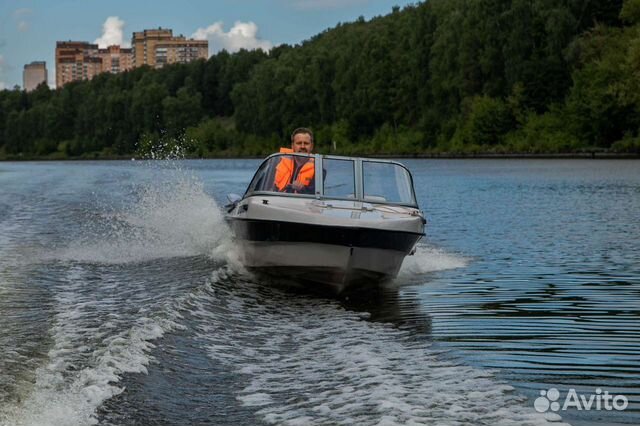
285 169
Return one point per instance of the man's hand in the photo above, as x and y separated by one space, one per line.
297 185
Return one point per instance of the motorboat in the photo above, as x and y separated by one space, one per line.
350 224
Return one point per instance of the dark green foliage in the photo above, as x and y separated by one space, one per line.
631 11
440 76
486 122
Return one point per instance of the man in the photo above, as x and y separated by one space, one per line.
296 173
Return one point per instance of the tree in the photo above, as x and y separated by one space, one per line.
181 111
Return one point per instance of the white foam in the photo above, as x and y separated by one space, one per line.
78 378
170 218
312 362
428 259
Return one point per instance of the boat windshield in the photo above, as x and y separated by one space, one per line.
386 182
376 181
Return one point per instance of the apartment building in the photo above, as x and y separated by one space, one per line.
76 60
158 47
116 59
33 75
80 60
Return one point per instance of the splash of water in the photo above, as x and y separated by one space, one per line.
428 259
171 216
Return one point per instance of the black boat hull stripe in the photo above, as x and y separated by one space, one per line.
268 230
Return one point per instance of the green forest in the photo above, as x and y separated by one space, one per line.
454 77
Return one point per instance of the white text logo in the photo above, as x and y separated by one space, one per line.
550 400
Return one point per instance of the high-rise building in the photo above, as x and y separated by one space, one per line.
80 60
159 47
34 74
76 60
116 59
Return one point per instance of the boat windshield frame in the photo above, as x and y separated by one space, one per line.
319 195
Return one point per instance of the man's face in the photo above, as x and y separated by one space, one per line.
302 143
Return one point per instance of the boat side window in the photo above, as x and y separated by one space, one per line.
339 178
263 179
386 182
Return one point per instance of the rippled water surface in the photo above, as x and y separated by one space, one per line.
122 302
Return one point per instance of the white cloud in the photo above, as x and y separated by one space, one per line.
2 85
21 12
112 33
243 35
20 15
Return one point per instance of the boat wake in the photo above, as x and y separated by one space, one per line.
114 291
310 361
94 343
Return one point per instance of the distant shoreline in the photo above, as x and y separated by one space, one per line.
442 156
585 155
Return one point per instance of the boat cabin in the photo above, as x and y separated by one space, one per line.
334 177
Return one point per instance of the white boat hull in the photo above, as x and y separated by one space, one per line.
337 267
340 244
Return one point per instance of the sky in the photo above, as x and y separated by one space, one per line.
29 29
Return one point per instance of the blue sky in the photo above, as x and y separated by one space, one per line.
29 29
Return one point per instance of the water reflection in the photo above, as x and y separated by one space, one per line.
392 305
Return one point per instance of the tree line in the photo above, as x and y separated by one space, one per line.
444 76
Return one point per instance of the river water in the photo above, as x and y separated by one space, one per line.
122 303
